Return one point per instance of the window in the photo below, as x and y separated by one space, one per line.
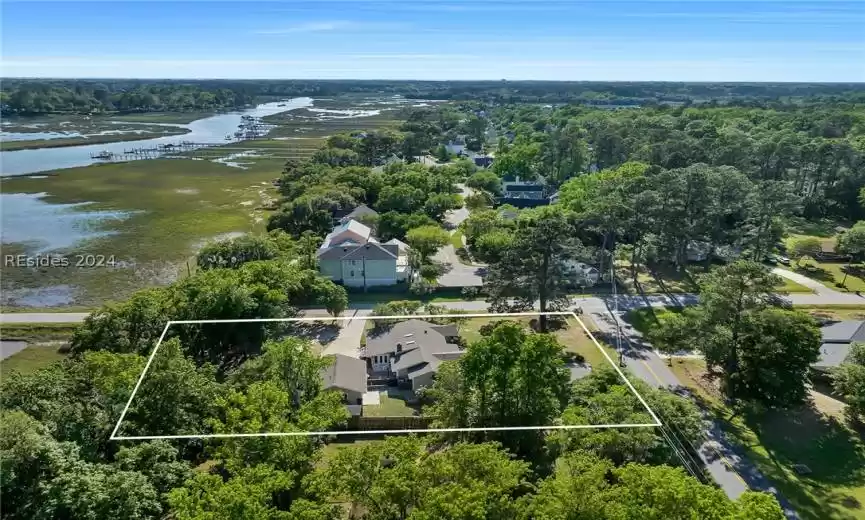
351 274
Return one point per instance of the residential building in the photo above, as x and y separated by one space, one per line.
411 351
352 256
524 194
583 275
457 146
346 374
359 213
837 338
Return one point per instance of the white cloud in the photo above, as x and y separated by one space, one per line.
308 27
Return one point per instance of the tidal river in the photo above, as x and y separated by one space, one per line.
208 130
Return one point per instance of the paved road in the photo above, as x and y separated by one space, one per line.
458 274
626 302
729 468
43 317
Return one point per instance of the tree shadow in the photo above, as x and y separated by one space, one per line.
833 452
814 271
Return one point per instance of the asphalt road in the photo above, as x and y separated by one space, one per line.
729 468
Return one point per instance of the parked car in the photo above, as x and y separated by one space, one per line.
783 260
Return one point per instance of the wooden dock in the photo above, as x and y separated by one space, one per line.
249 128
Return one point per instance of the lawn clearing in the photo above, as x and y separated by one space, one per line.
37 332
572 337
391 406
835 312
832 273
777 440
31 359
666 279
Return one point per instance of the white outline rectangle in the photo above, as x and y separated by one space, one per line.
114 436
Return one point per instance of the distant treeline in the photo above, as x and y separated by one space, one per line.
31 96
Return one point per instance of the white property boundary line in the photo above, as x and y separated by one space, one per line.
115 437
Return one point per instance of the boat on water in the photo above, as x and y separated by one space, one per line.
104 155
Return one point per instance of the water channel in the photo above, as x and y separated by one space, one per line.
208 130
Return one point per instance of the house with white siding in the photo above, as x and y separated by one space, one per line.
352 256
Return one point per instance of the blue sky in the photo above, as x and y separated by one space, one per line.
782 40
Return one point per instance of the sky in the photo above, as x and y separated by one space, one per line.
601 40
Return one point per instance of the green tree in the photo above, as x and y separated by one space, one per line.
395 225
493 246
307 247
437 205
533 269
603 398
235 252
400 478
760 353
174 398
849 380
43 478
441 154
487 181
674 333
584 486
803 247
426 240
479 200
509 378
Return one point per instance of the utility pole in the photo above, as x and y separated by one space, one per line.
616 311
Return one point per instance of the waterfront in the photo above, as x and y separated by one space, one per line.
207 130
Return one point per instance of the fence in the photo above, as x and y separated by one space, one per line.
361 423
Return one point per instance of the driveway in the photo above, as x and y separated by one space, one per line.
347 342
456 217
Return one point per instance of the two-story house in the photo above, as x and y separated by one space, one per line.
352 256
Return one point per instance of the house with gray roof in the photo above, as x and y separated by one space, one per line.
352 256
837 338
411 350
359 213
347 375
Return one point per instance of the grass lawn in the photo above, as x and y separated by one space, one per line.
30 359
778 440
830 273
43 340
389 407
572 336
835 312
666 279
172 207
37 332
